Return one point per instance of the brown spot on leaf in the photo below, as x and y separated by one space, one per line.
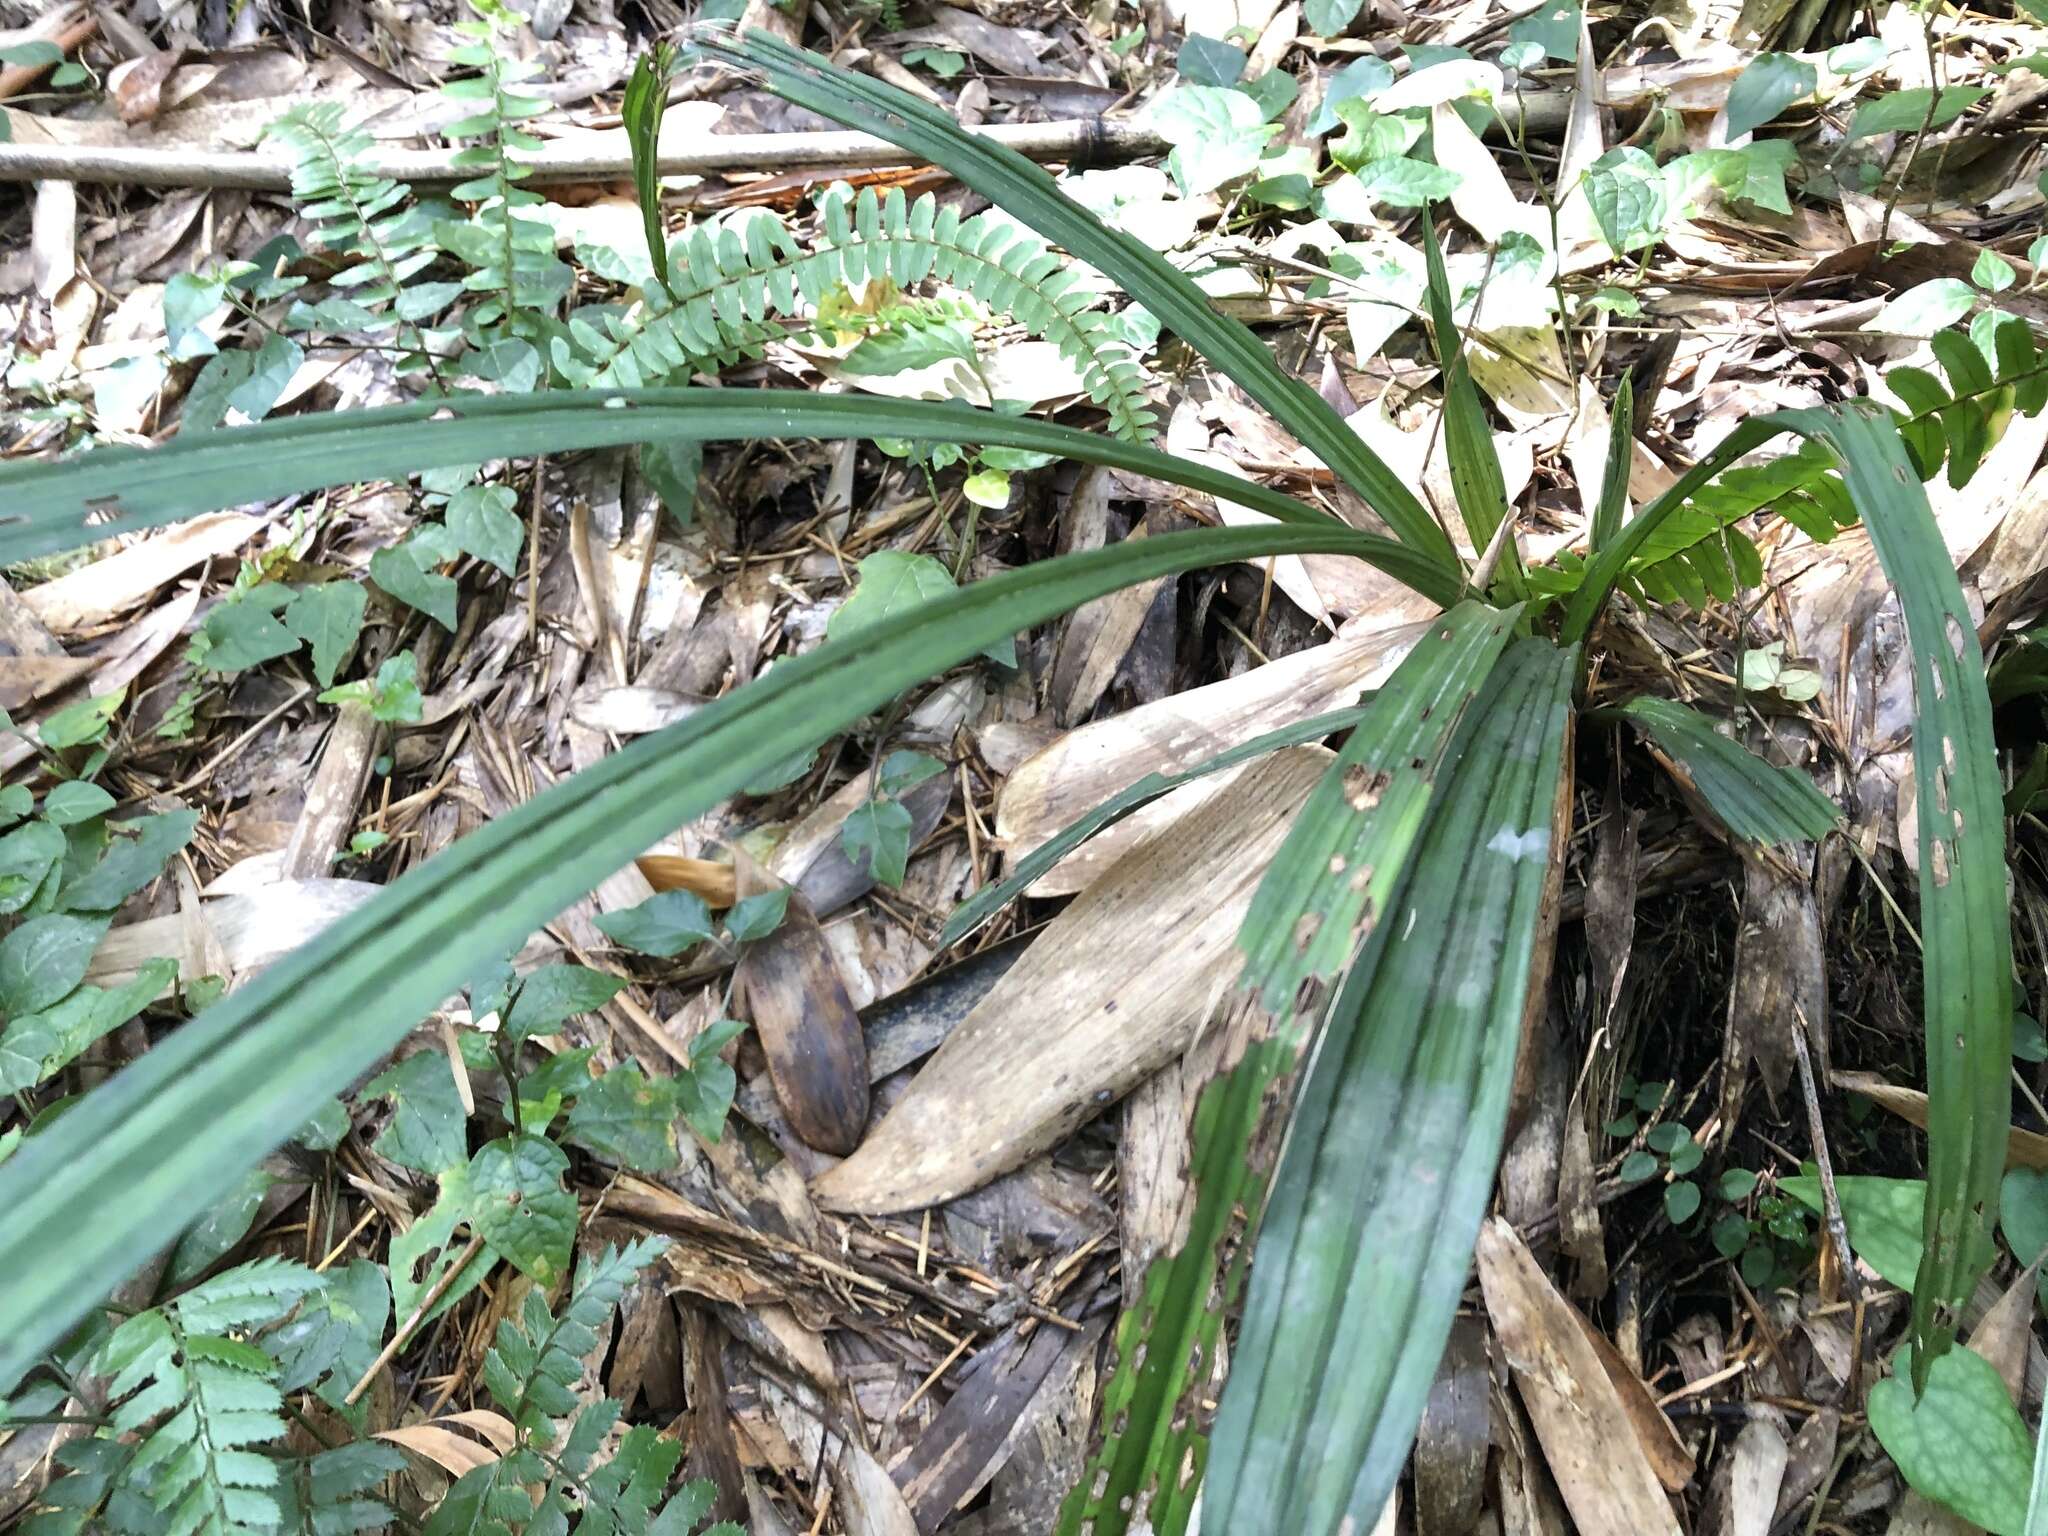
1363 787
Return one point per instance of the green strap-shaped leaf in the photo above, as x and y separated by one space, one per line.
1391 1153
253 1068
991 899
1476 477
1965 929
1327 889
1621 431
644 105
1026 192
1755 800
51 507
1365 816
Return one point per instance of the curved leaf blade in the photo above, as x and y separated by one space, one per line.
1370 808
54 506
1390 1157
1965 925
1757 801
272 1048
1026 192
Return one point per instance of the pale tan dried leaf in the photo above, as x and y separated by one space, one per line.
1587 1437
252 929
2023 1148
1087 766
1758 1472
1112 989
455 1454
94 594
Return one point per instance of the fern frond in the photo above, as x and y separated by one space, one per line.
513 258
531 1373
352 209
736 283
199 1401
361 214
1994 373
330 1494
532 1370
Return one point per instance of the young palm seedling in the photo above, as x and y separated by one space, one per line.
1396 946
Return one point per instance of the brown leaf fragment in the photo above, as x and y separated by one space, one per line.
1756 1473
790 989
2023 1148
139 84
713 1452
1110 990
1587 1436
1009 1385
1780 982
1667 1454
1451 1443
1809 1459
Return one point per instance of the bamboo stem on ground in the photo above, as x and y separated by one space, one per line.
1093 141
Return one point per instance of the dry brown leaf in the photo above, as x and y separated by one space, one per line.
795 998
2023 1148
453 1453
1588 1440
1113 988
1453 1439
97 593
1088 765
252 929
1756 1473
1667 1454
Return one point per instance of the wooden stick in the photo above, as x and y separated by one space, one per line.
67 27
1090 139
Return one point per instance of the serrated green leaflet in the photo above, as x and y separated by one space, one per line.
1027 193
1756 800
1369 806
126 1152
1390 1156
62 505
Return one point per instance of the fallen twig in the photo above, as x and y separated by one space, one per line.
1091 140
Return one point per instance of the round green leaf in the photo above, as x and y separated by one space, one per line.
1962 1444
1730 1234
1736 1184
1767 86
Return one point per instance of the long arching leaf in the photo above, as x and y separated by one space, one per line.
46 507
1027 193
1755 800
1391 1152
1965 927
1330 884
89 1199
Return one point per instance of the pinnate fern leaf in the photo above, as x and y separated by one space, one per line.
534 1366
200 1403
738 284
1950 421
360 214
